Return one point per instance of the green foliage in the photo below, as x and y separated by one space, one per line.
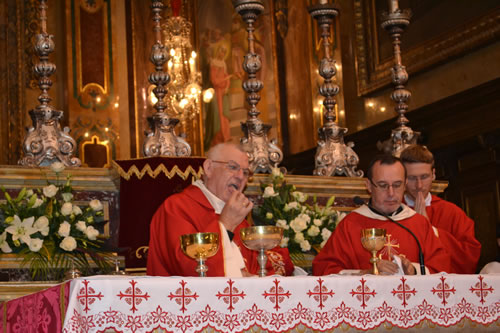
306 224
50 231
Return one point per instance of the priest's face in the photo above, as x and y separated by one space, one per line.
420 177
226 172
387 186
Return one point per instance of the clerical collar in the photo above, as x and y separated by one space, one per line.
410 202
216 203
396 212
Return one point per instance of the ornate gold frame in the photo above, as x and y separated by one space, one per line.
373 73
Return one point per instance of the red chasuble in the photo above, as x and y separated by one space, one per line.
456 232
190 212
343 250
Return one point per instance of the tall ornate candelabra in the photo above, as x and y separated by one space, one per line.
333 156
45 142
263 154
161 140
395 22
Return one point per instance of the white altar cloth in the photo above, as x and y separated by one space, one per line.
277 304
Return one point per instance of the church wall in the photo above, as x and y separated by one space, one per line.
440 63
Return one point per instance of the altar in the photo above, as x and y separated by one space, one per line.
274 303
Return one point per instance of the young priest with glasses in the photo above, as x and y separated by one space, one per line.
450 223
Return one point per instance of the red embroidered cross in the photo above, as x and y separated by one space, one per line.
133 296
445 290
403 292
87 295
231 294
183 296
481 289
320 293
276 294
362 292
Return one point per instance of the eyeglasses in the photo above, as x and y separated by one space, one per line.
235 167
421 177
385 187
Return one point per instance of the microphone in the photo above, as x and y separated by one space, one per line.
358 201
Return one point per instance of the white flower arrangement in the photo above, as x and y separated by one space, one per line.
49 230
306 225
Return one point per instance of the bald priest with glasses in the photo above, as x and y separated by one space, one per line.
215 204
406 231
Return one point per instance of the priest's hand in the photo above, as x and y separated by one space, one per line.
408 267
386 267
420 205
236 209
246 273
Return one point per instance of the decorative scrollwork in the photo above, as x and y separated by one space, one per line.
143 249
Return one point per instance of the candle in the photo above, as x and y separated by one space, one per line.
191 65
393 6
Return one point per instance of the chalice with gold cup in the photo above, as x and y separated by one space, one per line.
261 238
199 247
373 240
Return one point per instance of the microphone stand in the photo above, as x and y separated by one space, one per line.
359 201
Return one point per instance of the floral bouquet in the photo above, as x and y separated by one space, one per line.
50 231
306 225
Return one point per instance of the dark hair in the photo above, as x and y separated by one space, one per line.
384 159
417 154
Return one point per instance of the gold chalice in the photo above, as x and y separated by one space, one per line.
261 238
373 240
199 247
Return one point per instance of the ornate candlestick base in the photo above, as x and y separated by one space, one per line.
161 140
263 155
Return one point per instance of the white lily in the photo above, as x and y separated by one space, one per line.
4 246
22 230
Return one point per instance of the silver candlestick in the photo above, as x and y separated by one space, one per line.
161 140
395 22
333 156
263 154
45 142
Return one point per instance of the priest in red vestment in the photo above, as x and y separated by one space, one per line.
343 252
453 227
215 204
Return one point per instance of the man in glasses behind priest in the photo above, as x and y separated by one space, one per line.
343 253
216 204
450 223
